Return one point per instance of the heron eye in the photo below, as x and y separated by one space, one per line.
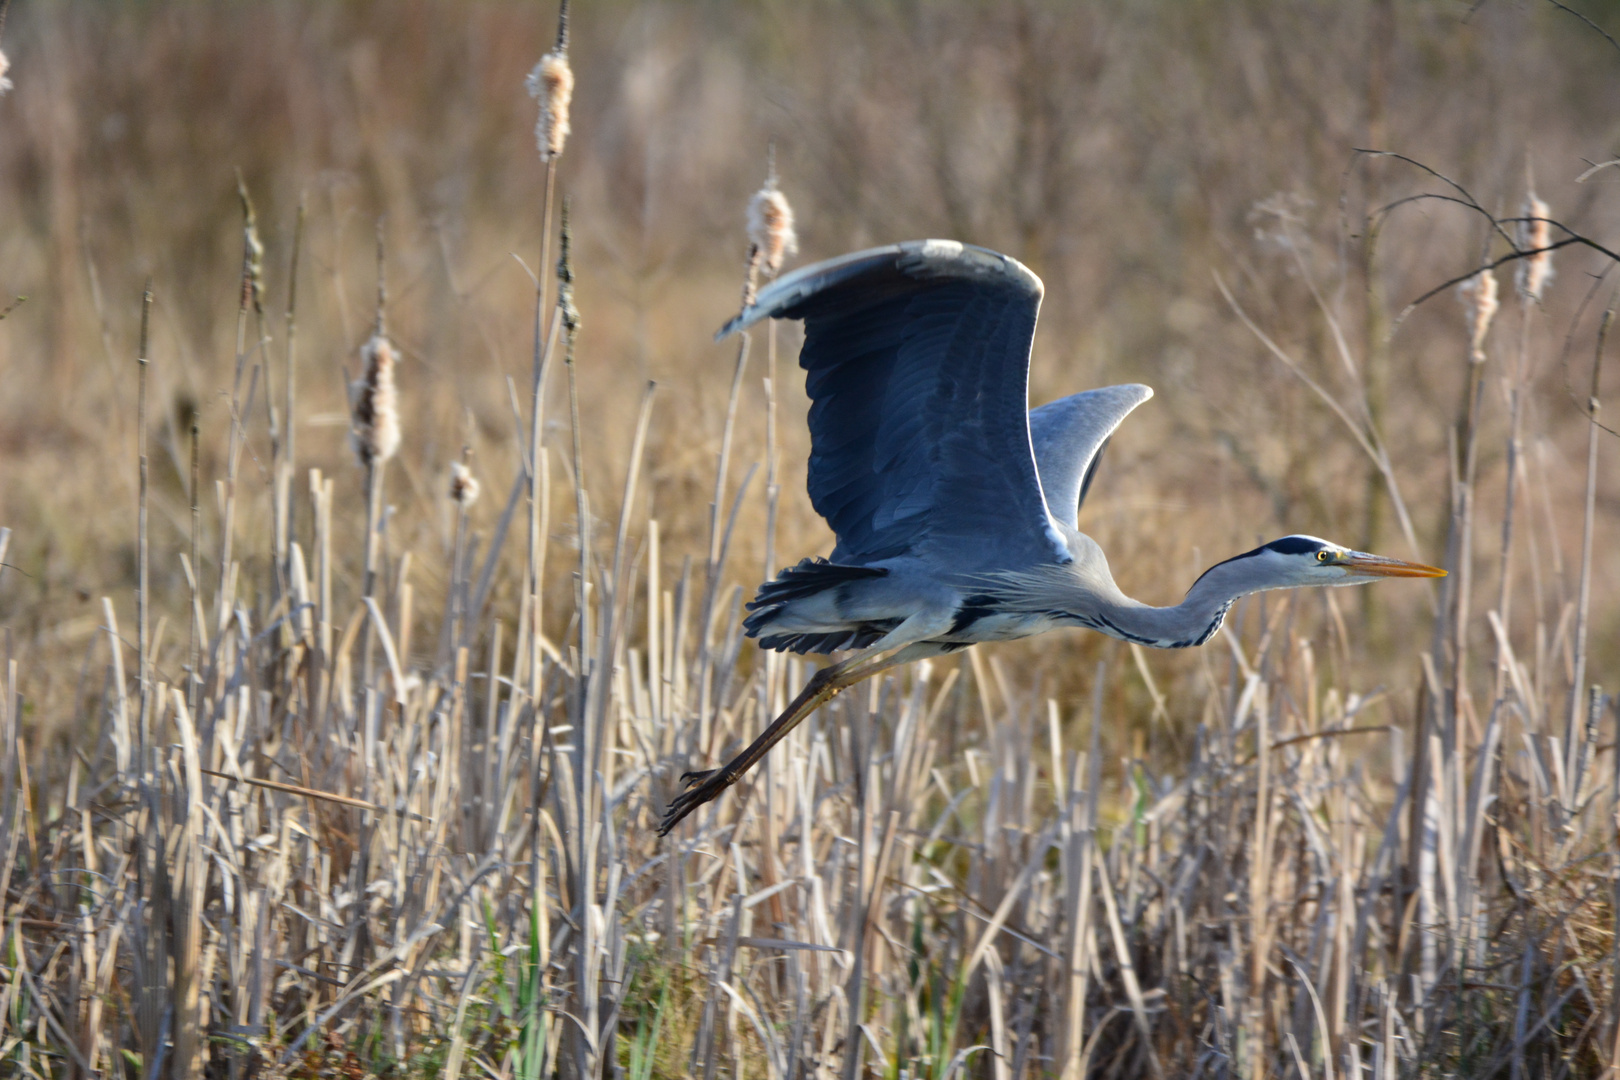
1321 556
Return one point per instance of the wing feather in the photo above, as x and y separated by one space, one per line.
917 364
1069 437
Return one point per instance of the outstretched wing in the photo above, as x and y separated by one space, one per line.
1069 436
917 361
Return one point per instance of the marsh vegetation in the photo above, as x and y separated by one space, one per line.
326 758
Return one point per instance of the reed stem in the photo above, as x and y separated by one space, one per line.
143 586
538 481
1583 602
289 438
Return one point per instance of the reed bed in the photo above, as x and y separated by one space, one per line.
359 807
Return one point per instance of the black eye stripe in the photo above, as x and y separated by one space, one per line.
1295 545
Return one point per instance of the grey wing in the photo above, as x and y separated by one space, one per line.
917 362
1069 436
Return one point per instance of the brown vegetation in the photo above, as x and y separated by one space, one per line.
317 768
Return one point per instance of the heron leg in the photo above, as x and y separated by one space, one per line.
702 787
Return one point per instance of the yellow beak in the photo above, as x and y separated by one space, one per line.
1365 565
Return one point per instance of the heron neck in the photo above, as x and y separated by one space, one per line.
1192 622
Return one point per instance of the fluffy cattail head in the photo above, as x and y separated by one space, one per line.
1478 296
552 82
252 250
463 486
1534 233
770 227
375 403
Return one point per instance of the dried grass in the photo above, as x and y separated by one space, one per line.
263 853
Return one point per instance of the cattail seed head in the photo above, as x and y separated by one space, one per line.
5 66
1479 300
375 401
770 227
252 250
463 486
552 82
565 281
1534 233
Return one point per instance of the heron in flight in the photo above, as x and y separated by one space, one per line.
953 503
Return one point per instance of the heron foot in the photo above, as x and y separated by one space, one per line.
701 787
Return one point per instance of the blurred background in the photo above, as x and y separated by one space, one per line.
1138 156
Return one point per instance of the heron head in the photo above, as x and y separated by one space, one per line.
1310 560
1294 562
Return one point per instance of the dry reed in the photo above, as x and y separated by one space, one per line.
376 432
1535 234
770 227
463 486
1479 299
284 861
551 83
771 235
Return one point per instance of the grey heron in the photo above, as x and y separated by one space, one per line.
954 505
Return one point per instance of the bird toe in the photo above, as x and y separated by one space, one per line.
701 787
692 779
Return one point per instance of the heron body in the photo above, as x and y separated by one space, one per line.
954 505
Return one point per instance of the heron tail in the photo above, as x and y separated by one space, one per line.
792 612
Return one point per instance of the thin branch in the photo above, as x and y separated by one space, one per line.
312 793
1569 344
1596 167
1509 257
1571 11
1497 225
1468 197
1375 452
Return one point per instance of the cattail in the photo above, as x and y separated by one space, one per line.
375 434
463 486
252 250
1478 296
1535 234
770 227
552 82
